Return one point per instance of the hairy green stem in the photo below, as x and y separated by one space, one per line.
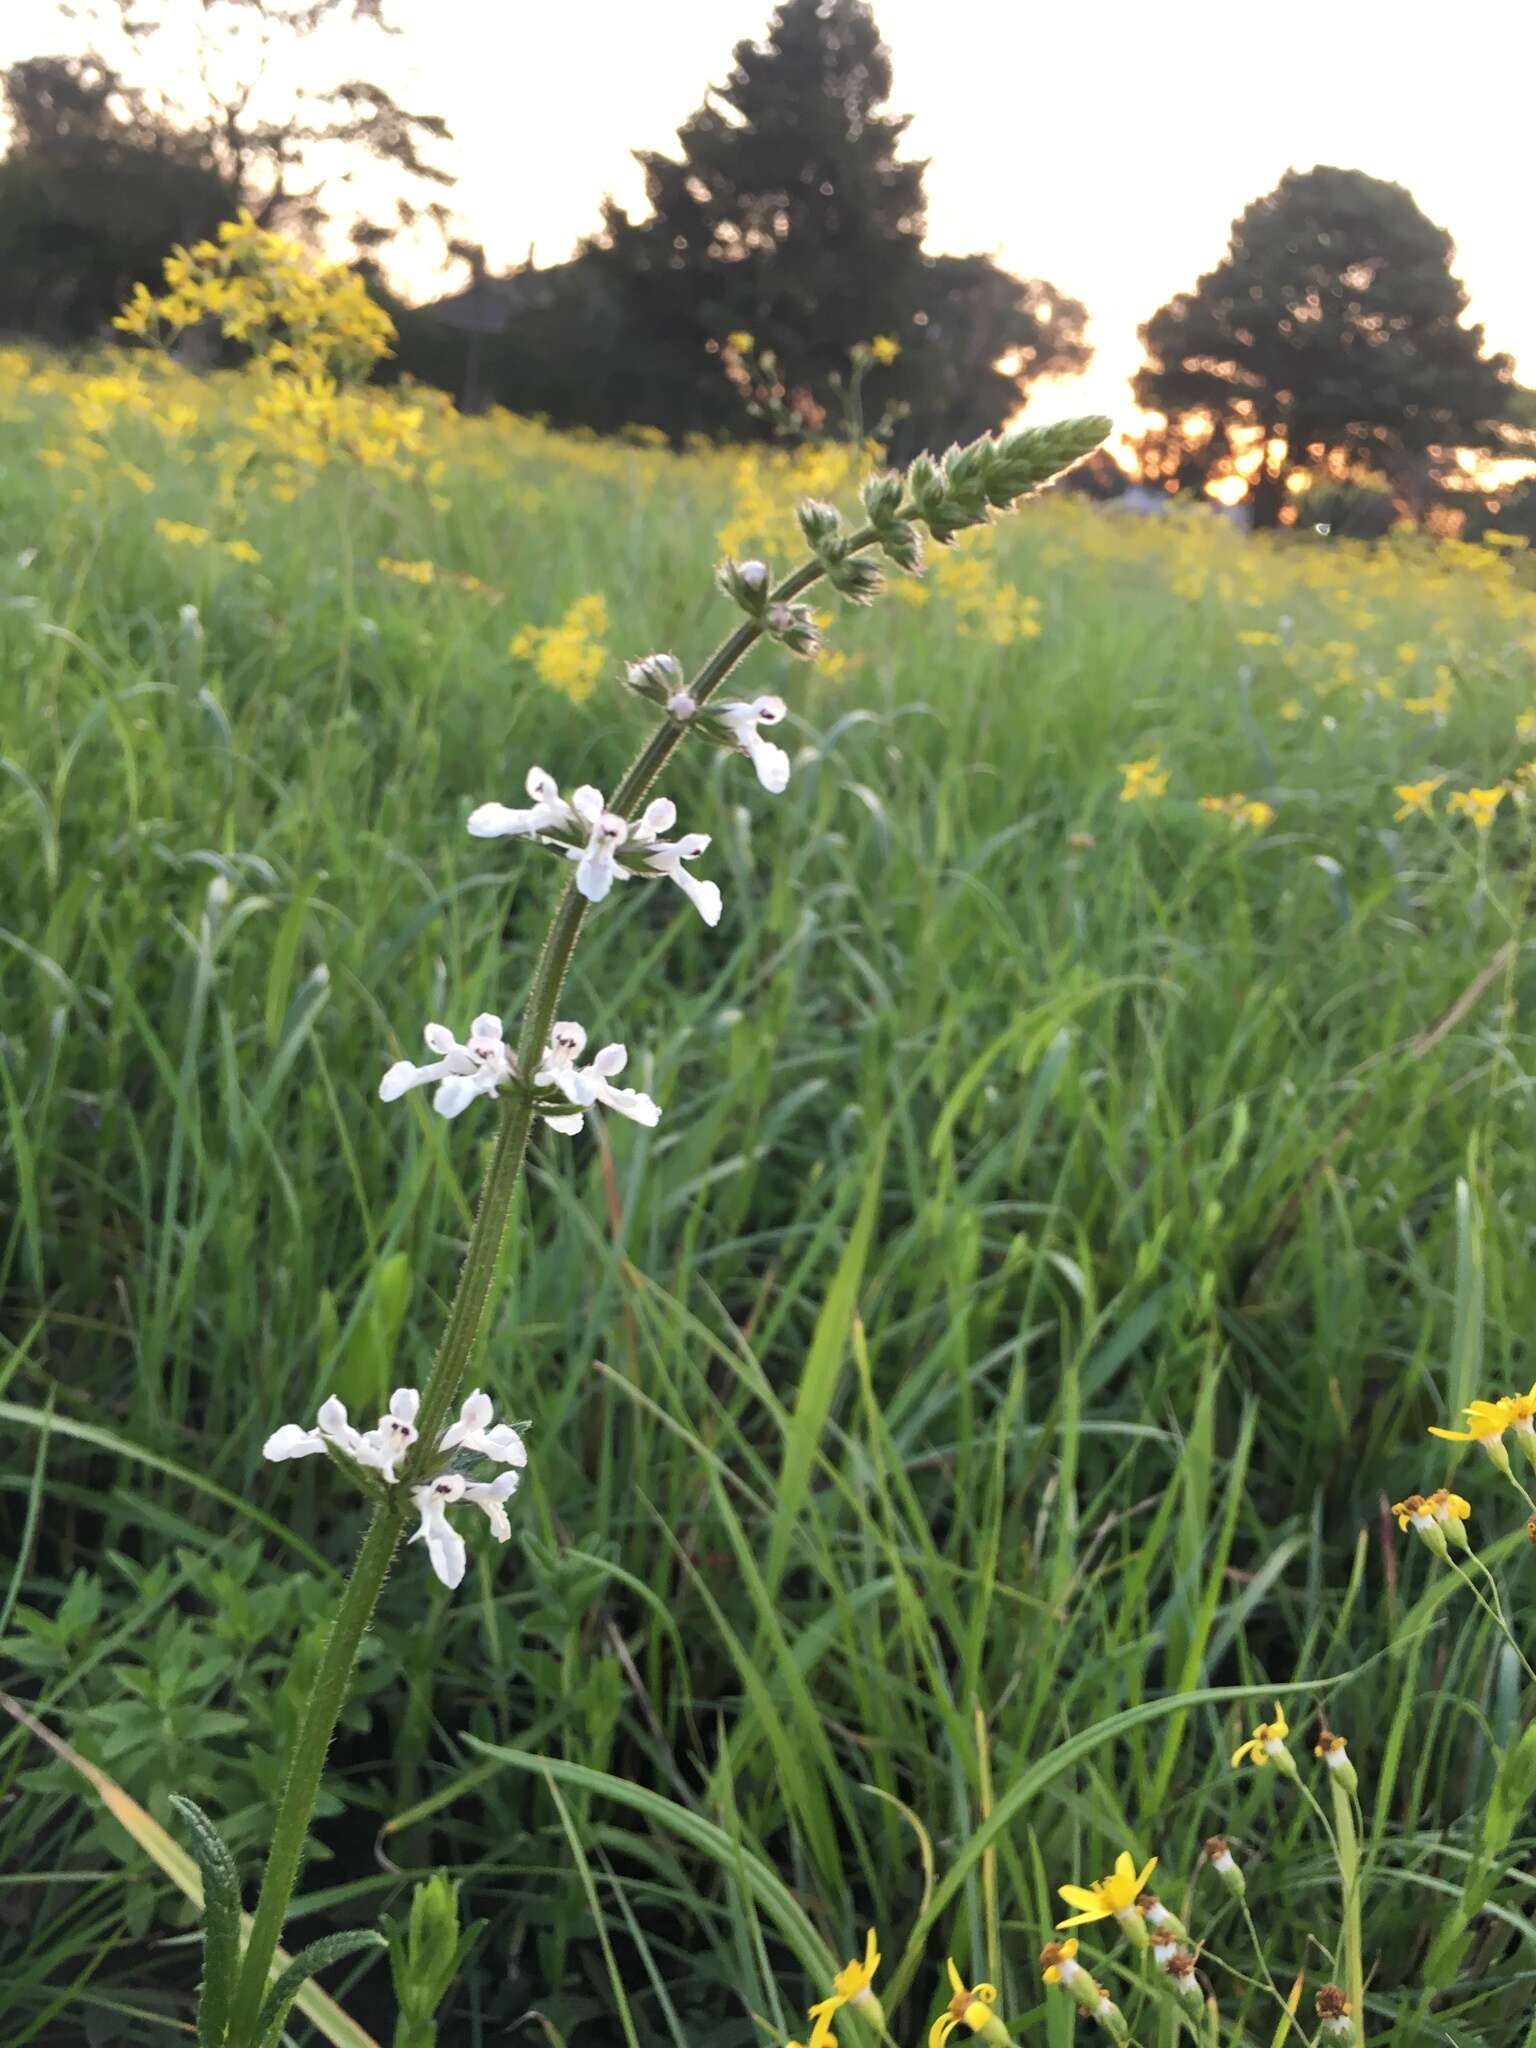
446 1378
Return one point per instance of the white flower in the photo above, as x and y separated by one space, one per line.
395 1434
549 813
667 857
475 1431
462 1071
331 1426
742 721
594 1085
445 1546
587 1085
597 867
378 1448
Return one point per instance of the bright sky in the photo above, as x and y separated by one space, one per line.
1105 146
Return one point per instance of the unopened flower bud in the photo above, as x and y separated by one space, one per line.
1335 2022
822 527
746 584
793 626
1332 1749
902 542
856 579
882 498
681 706
1111 2018
1219 1855
1180 1972
655 676
1162 1920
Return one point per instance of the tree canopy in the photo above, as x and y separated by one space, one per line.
1330 335
791 213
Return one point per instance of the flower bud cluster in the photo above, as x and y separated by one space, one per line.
850 574
898 538
968 484
792 624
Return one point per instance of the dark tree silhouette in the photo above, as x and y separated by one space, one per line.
791 213
93 191
1330 333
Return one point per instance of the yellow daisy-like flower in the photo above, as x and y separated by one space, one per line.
1107 1896
1415 797
1486 1424
970 2007
1054 1955
849 1987
1415 1508
1266 1741
885 348
1148 778
1477 804
741 341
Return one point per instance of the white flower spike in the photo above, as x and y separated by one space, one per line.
461 1071
474 1431
741 721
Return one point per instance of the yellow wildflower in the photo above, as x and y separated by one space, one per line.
1242 810
1058 1958
241 551
408 572
1266 1745
1486 1424
181 534
741 341
969 2007
1477 804
1108 1898
1146 778
1416 796
1291 711
1494 539
851 1986
885 348
1452 1513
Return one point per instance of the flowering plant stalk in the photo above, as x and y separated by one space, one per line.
412 1460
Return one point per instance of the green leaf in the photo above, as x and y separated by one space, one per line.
330 1948
362 1379
221 1920
818 1382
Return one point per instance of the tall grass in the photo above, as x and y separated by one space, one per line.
991 1375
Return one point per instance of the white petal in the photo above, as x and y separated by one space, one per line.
568 1040
596 872
445 1549
640 1109
543 788
567 1126
772 765
460 1090
485 1030
613 1059
705 896
496 821
504 1445
402 1076
405 1405
588 804
440 1039
659 816
691 845
768 710
292 1442
332 1419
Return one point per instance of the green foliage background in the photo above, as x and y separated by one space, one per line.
1065 1220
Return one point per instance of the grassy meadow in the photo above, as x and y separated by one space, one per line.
953 1426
